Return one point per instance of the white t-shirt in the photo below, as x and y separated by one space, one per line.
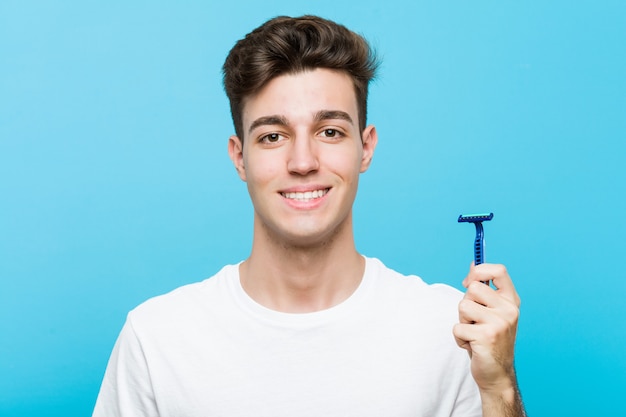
207 349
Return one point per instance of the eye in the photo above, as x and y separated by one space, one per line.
271 138
331 133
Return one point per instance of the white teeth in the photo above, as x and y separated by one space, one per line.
305 196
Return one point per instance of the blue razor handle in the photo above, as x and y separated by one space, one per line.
479 241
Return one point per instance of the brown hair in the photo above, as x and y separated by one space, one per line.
285 45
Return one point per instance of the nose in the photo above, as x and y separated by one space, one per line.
303 156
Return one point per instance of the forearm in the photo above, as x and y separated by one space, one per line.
504 403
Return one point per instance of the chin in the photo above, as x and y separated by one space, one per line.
312 238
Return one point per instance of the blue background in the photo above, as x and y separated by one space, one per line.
115 184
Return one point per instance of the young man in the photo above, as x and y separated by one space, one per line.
306 326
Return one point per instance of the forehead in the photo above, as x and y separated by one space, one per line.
299 96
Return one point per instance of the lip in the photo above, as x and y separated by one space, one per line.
304 188
304 202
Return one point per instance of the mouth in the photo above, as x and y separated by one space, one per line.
305 196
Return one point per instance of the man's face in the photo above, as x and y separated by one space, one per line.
302 156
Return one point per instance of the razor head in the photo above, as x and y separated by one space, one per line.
475 218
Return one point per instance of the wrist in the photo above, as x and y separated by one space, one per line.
504 400
503 394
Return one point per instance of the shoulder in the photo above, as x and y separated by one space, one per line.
410 297
188 300
387 278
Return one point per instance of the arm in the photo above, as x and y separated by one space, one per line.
126 389
486 329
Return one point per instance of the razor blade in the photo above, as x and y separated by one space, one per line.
479 241
472 218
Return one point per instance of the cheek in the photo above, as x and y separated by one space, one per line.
347 162
262 171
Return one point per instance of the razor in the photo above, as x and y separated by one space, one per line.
479 242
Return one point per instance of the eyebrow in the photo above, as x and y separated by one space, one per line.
332 114
277 120
268 121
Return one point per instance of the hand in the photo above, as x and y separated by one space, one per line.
487 327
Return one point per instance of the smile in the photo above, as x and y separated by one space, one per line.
306 195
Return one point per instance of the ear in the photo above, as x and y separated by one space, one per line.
369 139
235 151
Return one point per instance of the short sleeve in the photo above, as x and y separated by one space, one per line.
126 389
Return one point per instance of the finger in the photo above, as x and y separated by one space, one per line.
482 304
460 336
497 335
486 296
472 312
496 273
465 335
469 278
477 273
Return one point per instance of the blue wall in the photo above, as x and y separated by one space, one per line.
115 184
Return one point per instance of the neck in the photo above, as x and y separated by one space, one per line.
302 278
